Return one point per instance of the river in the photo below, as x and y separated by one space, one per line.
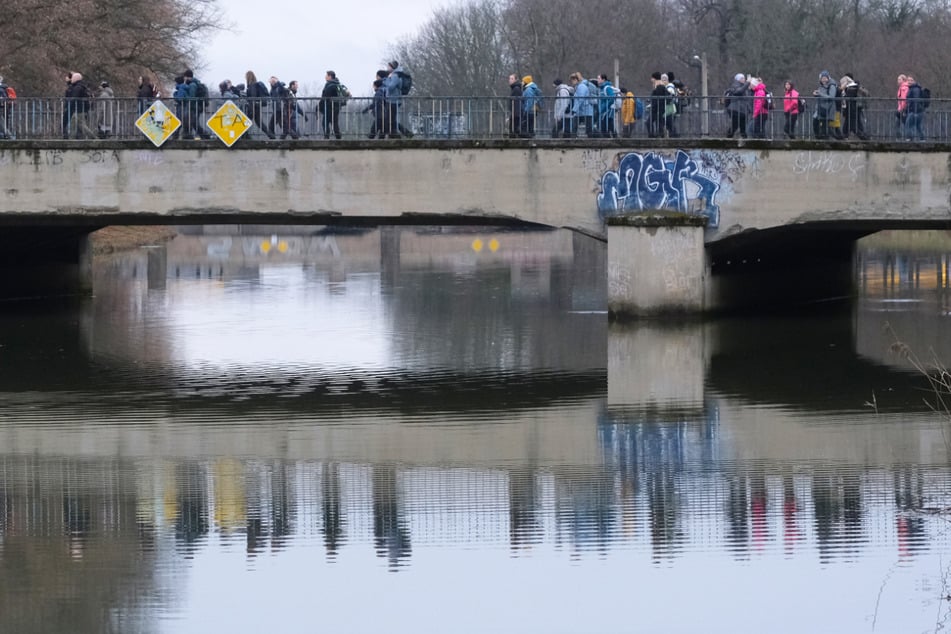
433 430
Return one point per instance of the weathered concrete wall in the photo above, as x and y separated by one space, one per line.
557 184
656 267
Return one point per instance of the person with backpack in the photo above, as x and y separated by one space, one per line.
792 106
292 111
531 104
278 94
583 107
660 99
760 107
329 105
76 109
257 96
915 111
196 98
739 105
6 112
853 107
561 111
607 107
397 83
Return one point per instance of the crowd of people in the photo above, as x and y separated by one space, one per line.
594 106
838 107
191 100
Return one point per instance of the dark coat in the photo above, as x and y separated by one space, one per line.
329 97
78 96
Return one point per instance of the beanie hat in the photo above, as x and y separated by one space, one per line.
557 82
825 73
527 79
76 77
739 77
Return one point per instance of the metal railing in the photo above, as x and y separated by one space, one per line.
479 118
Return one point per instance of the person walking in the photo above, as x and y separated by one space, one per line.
583 105
329 105
791 109
853 107
739 105
900 112
825 94
292 111
145 93
531 104
105 110
561 110
628 113
915 111
760 107
515 107
76 109
257 96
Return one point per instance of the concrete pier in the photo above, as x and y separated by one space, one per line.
656 265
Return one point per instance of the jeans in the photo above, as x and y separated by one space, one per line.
913 126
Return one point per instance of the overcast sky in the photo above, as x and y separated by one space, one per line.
299 39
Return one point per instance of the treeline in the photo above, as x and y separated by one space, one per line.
112 40
468 48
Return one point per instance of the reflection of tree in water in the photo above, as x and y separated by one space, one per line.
390 534
330 506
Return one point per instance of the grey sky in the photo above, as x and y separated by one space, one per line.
294 39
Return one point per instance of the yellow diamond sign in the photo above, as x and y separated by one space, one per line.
158 123
229 123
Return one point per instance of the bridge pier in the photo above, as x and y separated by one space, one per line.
657 265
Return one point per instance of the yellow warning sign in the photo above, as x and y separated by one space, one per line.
158 123
229 123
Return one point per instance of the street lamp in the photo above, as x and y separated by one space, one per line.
704 96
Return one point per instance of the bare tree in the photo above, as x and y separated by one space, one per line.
460 51
116 40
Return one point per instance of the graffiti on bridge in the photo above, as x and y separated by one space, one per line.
648 181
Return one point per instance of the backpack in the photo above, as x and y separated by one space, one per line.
769 101
343 94
638 108
201 93
925 98
592 93
406 82
12 94
802 105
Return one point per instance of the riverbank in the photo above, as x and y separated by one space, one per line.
115 239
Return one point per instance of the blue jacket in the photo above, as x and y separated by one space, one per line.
582 106
606 100
393 85
531 97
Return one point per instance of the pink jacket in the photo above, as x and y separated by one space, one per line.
791 102
759 100
902 93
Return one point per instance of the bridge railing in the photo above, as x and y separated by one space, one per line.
476 118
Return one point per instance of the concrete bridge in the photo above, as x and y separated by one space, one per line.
723 216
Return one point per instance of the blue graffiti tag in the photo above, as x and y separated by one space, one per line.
647 181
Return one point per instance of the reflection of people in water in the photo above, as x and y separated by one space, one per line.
390 535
